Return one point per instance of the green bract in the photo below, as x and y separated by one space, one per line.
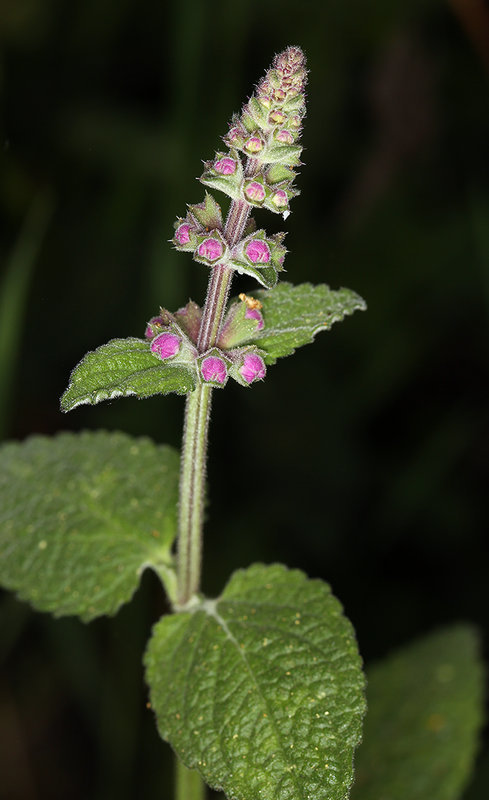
261 690
82 515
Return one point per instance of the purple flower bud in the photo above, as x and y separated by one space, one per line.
258 251
295 121
253 313
277 117
235 135
153 326
265 100
211 249
284 136
226 166
279 95
166 345
253 368
253 145
214 369
280 199
182 234
255 192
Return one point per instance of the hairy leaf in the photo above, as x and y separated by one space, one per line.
424 714
124 367
295 314
261 690
81 515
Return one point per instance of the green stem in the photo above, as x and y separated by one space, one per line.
189 784
192 483
197 412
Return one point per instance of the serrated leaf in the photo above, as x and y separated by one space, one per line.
293 315
261 690
267 276
81 516
121 368
424 714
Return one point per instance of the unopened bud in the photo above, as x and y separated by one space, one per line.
280 199
253 313
213 370
211 249
253 145
253 368
166 345
258 251
183 234
154 326
284 136
254 192
277 117
226 166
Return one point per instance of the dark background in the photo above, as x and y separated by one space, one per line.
364 459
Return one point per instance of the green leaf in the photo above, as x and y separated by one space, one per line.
124 367
424 714
82 515
261 690
295 314
267 276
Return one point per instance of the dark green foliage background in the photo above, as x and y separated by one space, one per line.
363 459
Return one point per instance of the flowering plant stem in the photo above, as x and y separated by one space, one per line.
197 414
188 783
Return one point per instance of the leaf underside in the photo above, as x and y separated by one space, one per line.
262 689
295 314
81 515
121 368
424 715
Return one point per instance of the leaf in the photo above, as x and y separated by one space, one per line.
267 276
82 515
124 367
261 690
293 315
424 713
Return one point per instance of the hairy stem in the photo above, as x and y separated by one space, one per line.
192 484
189 784
197 412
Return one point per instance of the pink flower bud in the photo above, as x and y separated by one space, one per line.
214 369
280 199
255 192
235 135
279 95
153 325
182 234
211 249
277 117
258 251
295 121
226 166
253 368
284 136
253 313
265 100
166 345
253 145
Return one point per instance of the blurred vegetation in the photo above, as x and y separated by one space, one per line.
377 482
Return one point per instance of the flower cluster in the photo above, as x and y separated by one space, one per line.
173 339
267 131
258 170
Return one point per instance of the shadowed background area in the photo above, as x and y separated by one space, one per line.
363 459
